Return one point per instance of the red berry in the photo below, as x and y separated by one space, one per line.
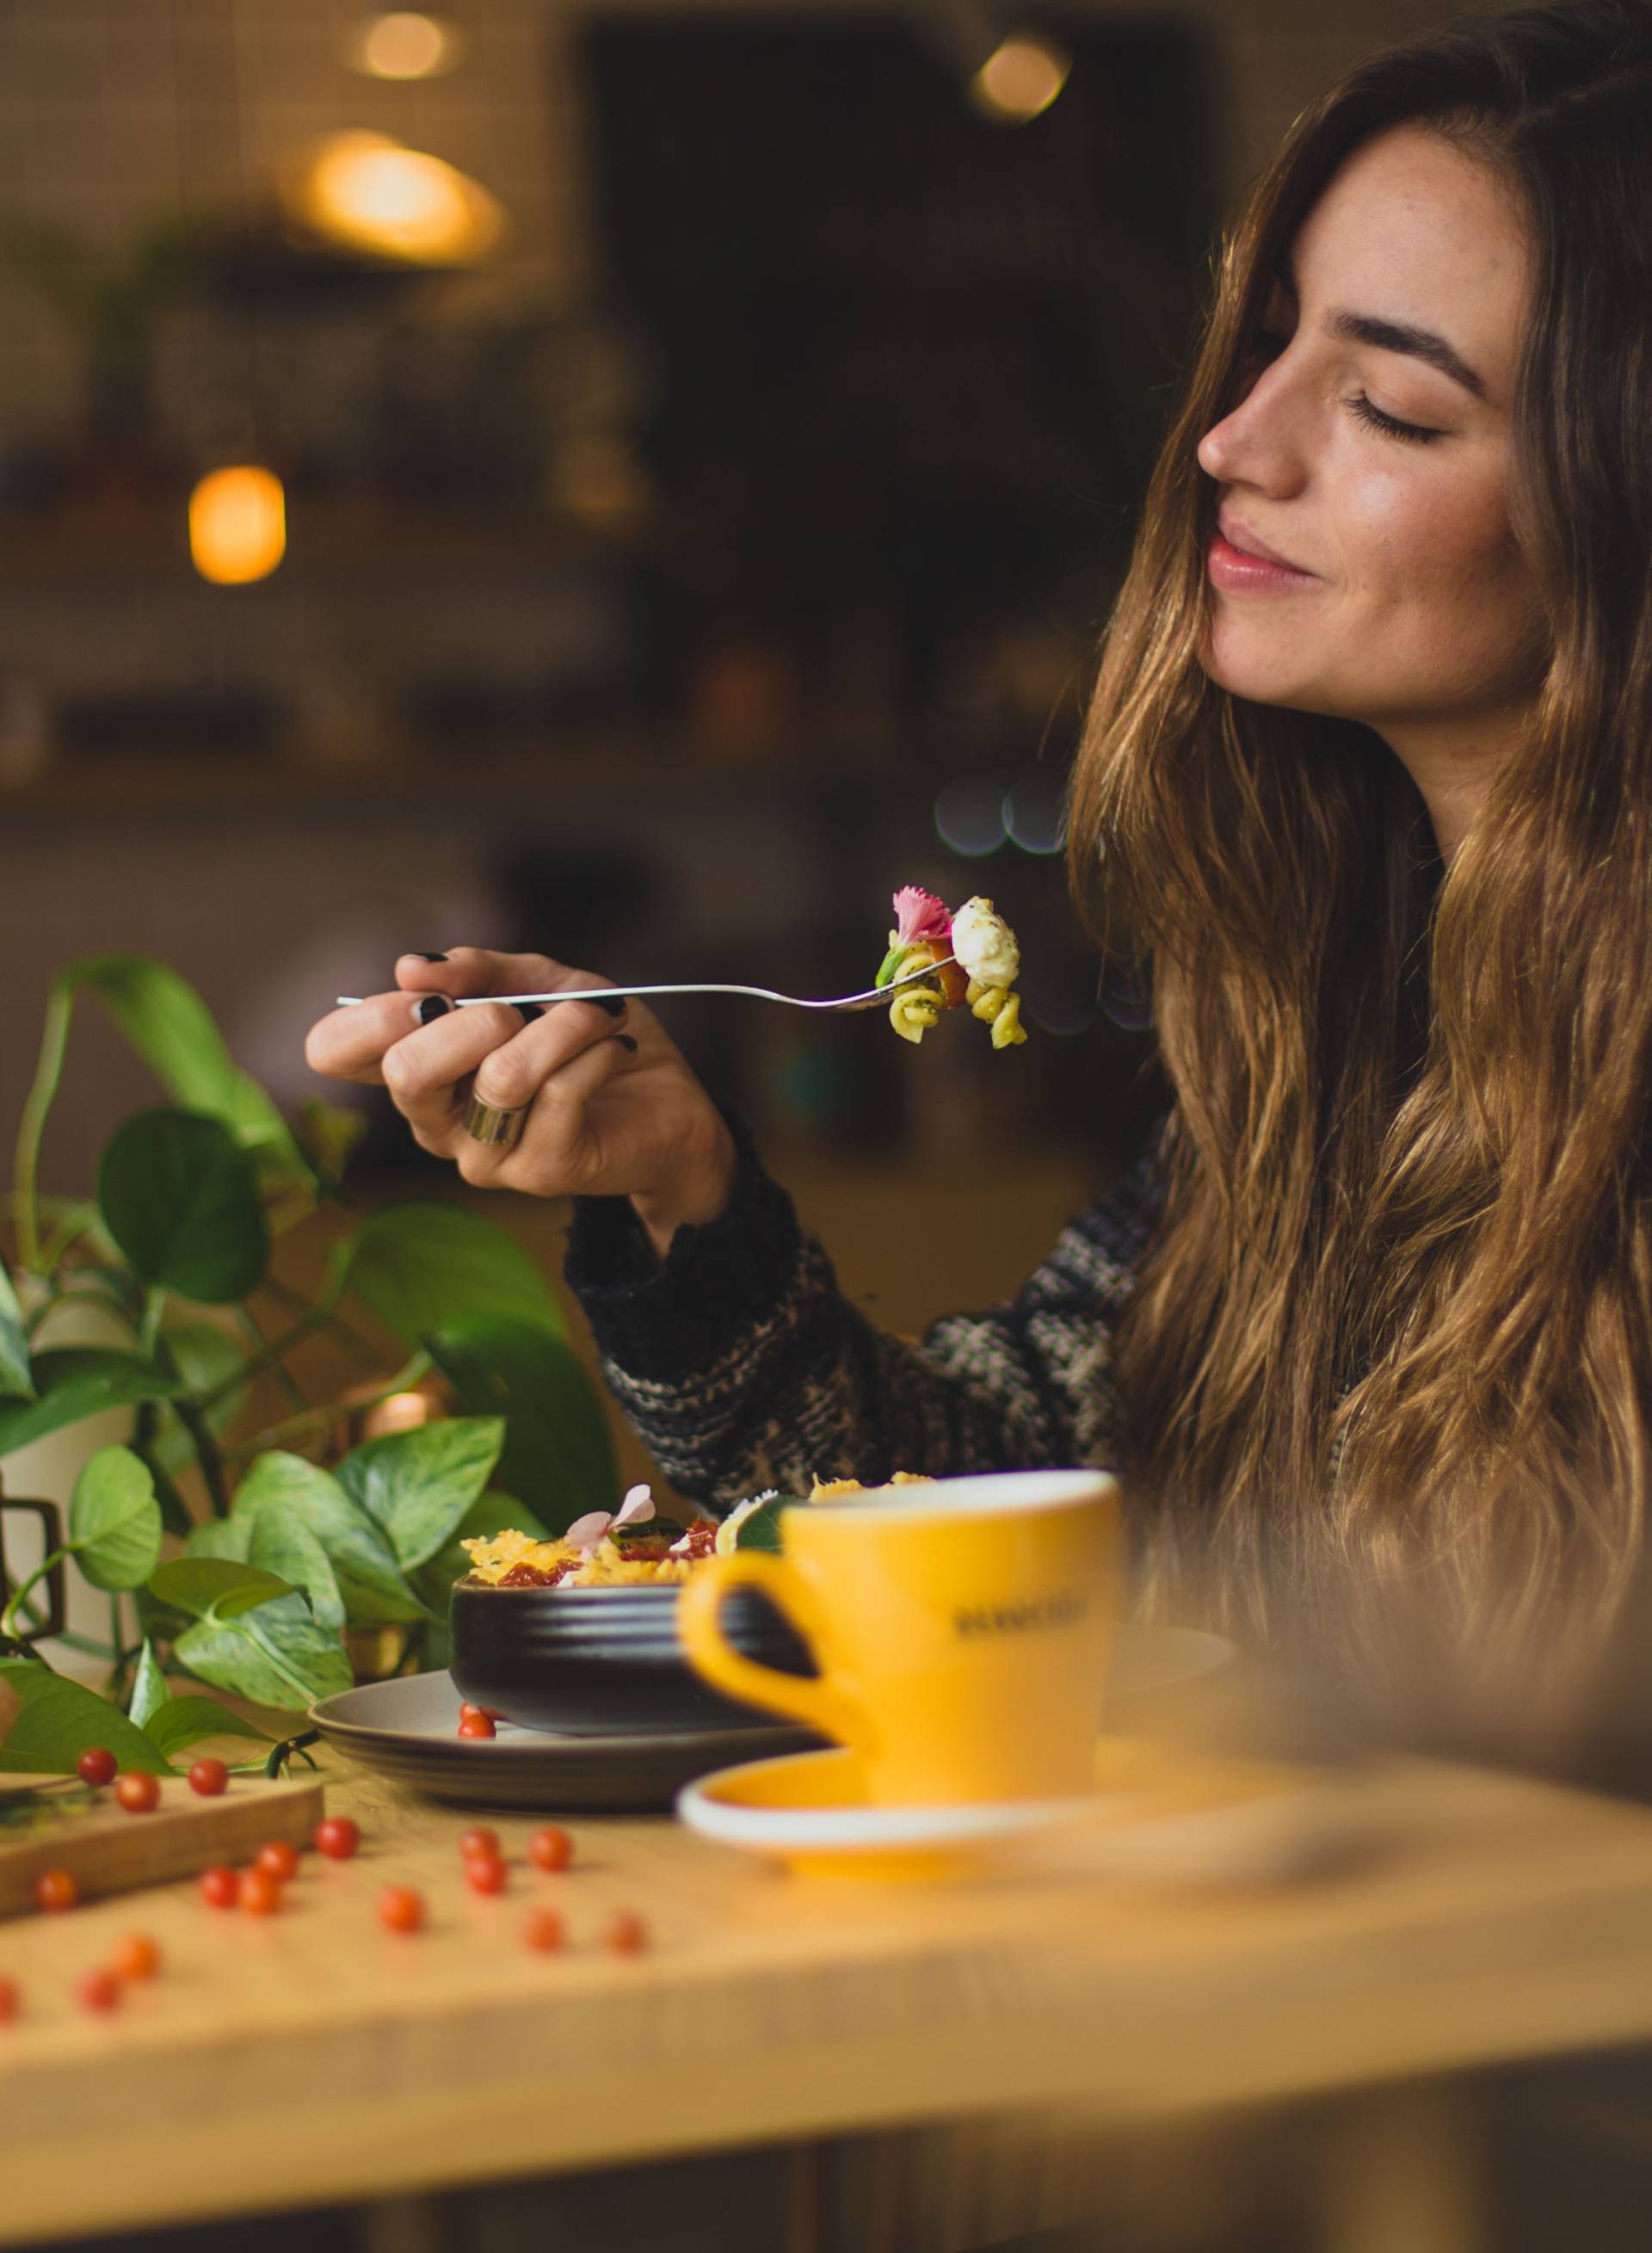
96 1765
337 1838
209 1777
99 1991
550 1849
400 1909
261 1892
544 1930
55 1889
136 1957
466 1709
220 1887
138 1792
476 1725
485 1873
279 1858
625 1934
480 1841
10 2001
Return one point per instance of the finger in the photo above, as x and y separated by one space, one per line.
509 1052
351 1044
512 1075
556 1152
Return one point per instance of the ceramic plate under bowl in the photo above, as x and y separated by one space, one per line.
408 1730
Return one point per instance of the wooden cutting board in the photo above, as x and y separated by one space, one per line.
106 1850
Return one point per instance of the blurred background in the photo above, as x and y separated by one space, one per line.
638 483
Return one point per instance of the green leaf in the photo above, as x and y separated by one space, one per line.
277 1656
369 1579
180 1197
14 1341
59 1719
149 1692
283 1545
115 1521
215 1587
558 1452
418 1485
77 1381
493 1513
184 1721
421 1266
221 1536
165 1020
760 1528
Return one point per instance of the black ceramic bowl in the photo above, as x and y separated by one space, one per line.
605 1662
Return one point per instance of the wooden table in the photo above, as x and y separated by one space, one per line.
315 2058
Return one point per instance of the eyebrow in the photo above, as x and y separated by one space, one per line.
1392 336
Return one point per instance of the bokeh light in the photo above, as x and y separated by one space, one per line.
404 45
367 193
969 818
237 525
1035 815
1020 80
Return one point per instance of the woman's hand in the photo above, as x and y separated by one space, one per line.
613 1109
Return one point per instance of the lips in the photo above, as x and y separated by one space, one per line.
1239 534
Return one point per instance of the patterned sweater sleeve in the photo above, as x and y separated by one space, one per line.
741 1365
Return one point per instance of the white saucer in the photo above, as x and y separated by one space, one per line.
1157 1810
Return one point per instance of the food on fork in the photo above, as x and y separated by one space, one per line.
980 976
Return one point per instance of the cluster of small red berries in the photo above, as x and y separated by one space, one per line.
479 1720
138 1791
401 1908
102 1989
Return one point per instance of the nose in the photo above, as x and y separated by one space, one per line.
1258 443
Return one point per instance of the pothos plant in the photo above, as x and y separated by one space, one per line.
249 1549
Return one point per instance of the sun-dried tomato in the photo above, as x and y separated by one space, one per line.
529 1576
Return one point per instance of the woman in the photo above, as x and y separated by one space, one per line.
1375 1313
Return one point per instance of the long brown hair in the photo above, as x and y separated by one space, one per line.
1395 1332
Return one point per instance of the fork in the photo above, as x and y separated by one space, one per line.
874 997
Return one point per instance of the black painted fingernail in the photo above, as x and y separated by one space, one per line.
415 954
432 1006
527 1011
627 1040
614 1003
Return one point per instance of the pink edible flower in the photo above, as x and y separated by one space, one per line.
919 915
585 1532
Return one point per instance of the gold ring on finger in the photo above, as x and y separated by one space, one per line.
491 1123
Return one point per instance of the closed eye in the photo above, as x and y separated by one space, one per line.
1389 424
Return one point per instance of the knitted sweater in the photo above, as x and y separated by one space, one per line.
741 1365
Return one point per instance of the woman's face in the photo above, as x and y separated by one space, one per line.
1411 610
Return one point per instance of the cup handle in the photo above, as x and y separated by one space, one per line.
820 1706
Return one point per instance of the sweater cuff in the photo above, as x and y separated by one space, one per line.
664 1320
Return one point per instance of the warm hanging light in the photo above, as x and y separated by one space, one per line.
1020 80
237 525
367 193
405 44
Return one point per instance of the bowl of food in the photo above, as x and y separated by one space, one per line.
578 1636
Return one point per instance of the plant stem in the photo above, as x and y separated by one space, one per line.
367 1351
268 1356
288 1382
47 1072
9 1617
407 1376
207 1453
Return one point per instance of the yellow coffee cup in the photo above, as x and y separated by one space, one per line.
961 1628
